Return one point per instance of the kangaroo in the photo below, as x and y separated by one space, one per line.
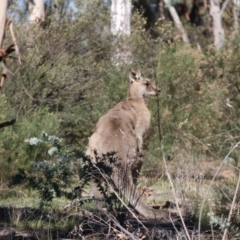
121 130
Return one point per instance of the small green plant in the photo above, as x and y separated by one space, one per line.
59 172
101 172
55 171
222 223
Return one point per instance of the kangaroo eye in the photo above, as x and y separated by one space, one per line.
147 84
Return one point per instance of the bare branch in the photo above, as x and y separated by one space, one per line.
218 31
210 186
177 21
15 43
224 6
174 195
7 123
233 206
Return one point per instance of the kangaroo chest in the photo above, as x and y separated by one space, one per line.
141 116
142 120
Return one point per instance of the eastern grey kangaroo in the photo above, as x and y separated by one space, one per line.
121 130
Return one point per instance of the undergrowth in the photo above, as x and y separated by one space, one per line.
67 81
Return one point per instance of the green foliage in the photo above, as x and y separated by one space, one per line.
67 81
224 195
193 110
100 173
14 153
58 172
53 171
222 223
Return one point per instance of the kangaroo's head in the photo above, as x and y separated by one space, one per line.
141 87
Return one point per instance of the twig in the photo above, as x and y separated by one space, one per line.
211 224
120 199
159 126
4 66
26 91
232 207
122 228
3 78
169 179
115 222
208 190
15 43
8 123
174 195
224 6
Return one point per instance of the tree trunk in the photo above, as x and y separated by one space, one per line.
37 11
121 29
218 31
121 17
236 5
177 20
3 17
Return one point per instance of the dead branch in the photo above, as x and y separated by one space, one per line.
7 123
15 42
3 56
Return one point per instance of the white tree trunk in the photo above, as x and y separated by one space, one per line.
235 15
121 28
37 11
176 20
218 31
236 11
121 17
3 17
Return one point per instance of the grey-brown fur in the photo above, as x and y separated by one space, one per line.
121 130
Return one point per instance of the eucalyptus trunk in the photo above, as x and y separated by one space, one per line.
177 21
37 11
121 29
3 17
218 31
236 12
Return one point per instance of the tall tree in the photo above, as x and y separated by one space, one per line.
121 17
37 11
176 20
121 29
3 17
4 52
236 11
218 31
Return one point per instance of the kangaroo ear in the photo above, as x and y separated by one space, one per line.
134 75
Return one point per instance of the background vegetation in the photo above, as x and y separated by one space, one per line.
67 81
